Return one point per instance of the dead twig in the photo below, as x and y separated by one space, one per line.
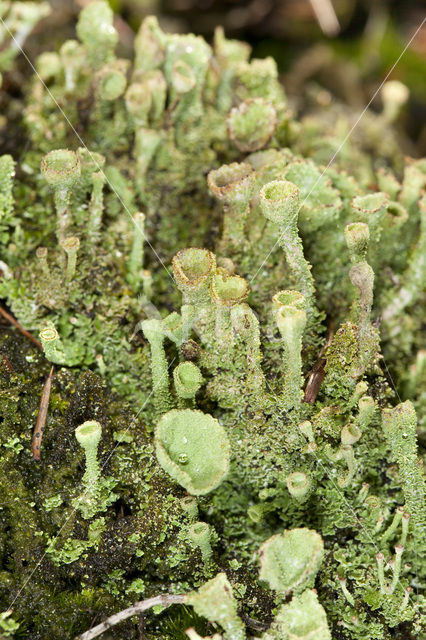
317 373
20 328
137 608
255 624
326 16
8 363
41 417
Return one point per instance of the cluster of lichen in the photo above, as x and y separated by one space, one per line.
223 388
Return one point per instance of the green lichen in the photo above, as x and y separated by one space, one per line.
215 602
193 448
240 320
302 619
289 562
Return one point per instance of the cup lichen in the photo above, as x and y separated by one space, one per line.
193 449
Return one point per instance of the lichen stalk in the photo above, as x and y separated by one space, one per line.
70 245
61 169
41 253
413 278
232 184
399 427
88 436
136 259
96 208
394 524
226 292
52 345
291 322
200 534
279 201
153 332
246 325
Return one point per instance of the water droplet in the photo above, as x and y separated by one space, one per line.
183 458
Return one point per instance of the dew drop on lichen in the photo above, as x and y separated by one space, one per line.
183 458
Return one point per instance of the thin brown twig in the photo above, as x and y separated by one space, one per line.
255 624
41 417
20 328
8 363
317 373
164 600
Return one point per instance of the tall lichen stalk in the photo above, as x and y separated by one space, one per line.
187 271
